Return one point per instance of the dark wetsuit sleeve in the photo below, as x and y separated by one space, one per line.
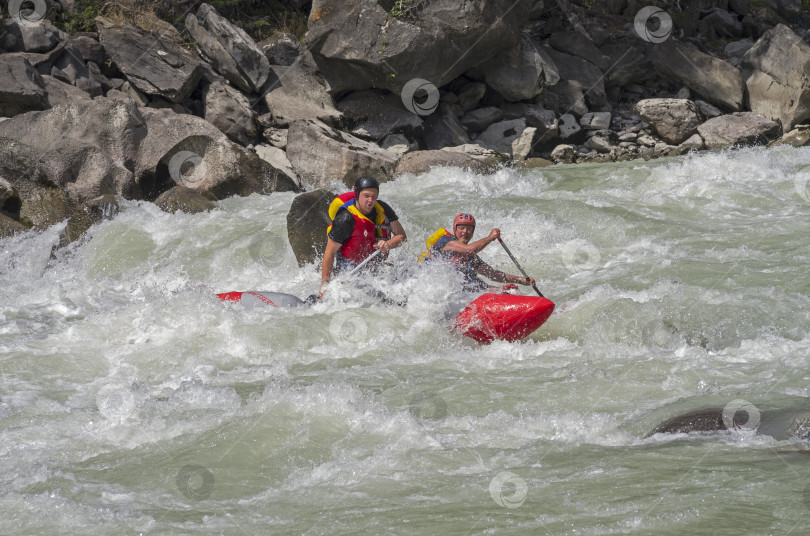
389 212
342 227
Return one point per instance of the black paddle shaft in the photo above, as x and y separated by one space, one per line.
522 271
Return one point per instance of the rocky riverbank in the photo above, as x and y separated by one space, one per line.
188 113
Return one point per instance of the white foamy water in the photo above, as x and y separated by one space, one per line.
133 401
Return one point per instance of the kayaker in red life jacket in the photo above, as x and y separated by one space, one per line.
456 248
360 224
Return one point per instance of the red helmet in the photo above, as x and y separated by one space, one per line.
463 219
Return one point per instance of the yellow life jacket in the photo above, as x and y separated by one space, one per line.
382 226
431 241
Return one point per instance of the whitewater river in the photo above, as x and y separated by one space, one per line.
132 401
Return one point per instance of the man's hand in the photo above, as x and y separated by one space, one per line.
494 235
383 246
528 281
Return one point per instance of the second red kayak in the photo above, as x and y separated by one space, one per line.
505 317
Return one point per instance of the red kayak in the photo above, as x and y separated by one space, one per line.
506 317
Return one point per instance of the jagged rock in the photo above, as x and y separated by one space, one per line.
277 158
283 49
399 144
85 216
21 87
166 70
294 94
599 143
373 115
629 64
229 49
10 227
590 78
419 162
707 110
487 156
595 121
786 8
521 72
683 93
321 155
720 23
569 128
307 222
470 95
358 45
737 49
798 137
646 140
713 79
36 38
499 136
443 129
182 199
779 87
522 147
566 97
135 94
694 142
229 111
60 93
70 68
674 120
564 154
480 119
545 121
89 48
277 137
576 44
738 129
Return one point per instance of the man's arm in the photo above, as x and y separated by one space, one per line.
502 277
397 240
328 263
472 248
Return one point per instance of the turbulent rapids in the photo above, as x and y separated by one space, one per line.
132 400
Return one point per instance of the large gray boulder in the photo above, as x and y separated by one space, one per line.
228 48
40 37
307 222
738 129
229 111
576 44
373 115
479 119
566 96
675 120
296 93
499 136
443 129
358 44
779 86
588 75
628 64
418 162
321 156
183 199
22 89
70 68
154 66
61 93
521 72
717 81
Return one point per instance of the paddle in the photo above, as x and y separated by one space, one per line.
357 268
522 271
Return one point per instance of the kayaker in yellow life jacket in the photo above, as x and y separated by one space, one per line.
360 225
457 249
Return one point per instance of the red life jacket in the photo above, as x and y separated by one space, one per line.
366 233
